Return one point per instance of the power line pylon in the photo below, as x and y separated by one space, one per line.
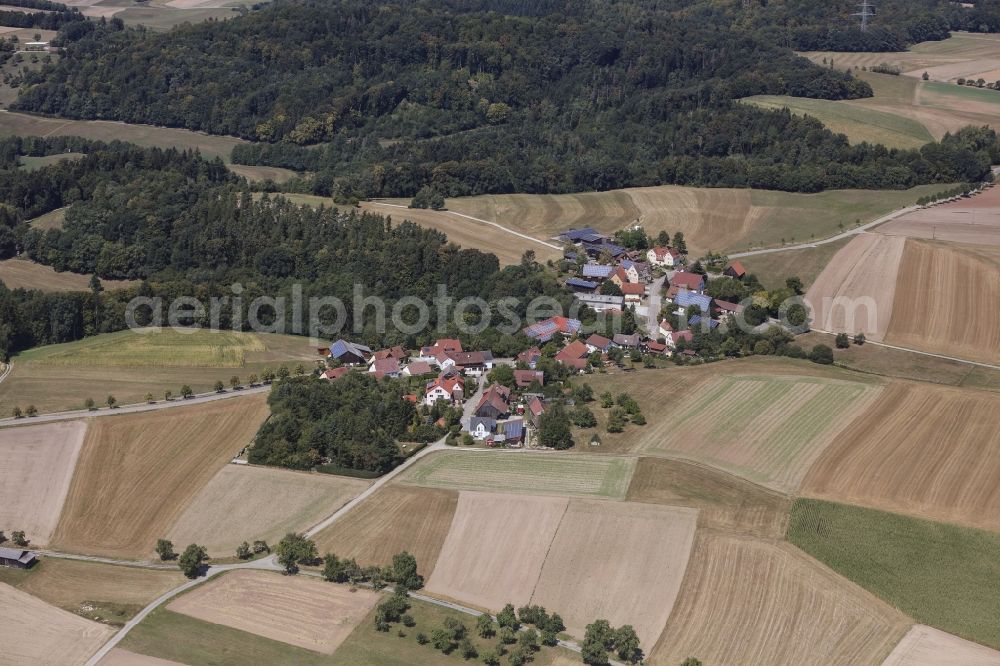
867 10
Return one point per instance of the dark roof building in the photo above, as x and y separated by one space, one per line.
349 353
17 558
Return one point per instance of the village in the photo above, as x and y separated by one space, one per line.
666 298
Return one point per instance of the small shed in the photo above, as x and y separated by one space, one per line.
17 558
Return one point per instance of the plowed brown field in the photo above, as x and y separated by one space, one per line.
394 519
749 602
975 220
928 451
137 473
724 502
855 292
948 301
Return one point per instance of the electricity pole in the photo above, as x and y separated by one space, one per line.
866 12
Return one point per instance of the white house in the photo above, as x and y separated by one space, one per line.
451 389
666 257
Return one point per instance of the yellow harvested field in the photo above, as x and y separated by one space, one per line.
119 657
768 429
137 473
394 519
25 274
750 602
257 174
243 503
946 301
70 584
34 632
298 610
926 646
923 450
496 547
975 220
36 466
724 502
855 292
620 561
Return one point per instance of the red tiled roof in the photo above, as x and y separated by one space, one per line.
335 373
385 366
633 289
737 267
598 341
657 347
574 354
728 307
523 378
396 352
692 281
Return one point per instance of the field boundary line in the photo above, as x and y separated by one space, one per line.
917 351
548 550
481 221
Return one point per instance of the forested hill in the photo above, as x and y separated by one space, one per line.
475 96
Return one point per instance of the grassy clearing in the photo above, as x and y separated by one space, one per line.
26 274
34 163
51 220
859 124
945 576
129 365
773 269
551 474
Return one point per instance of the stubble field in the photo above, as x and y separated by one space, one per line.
974 220
750 602
301 611
928 451
244 503
513 472
394 519
926 646
137 473
25 274
36 466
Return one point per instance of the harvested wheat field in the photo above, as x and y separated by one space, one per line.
243 503
119 657
137 473
751 602
298 610
394 519
495 549
855 292
926 646
33 632
25 274
946 301
768 429
724 502
974 220
36 466
620 561
927 451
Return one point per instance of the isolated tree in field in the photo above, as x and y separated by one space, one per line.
295 549
593 653
404 571
167 395
518 657
260 546
859 339
149 398
186 392
234 381
679 243
31 411
89 404
821 354
548 638
191 560
243 551
627 644
484 626
616 422
219 386
842 341
507 636
639 419
428 197
165 549
528 640
267 376
583 393
333 569
283 372
19 539
18 414
553 428
111 401
252 380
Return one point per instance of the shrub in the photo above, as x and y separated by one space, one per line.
842 341
821 354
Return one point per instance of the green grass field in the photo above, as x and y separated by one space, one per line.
543 474
129 365
773 269
858 123
52 220
945 576
32 163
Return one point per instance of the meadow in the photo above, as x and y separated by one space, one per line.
130 364
516 472
773 269
26 274
942 575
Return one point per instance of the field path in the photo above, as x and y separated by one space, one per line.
917 351
480 221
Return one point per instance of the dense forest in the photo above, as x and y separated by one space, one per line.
187 227
351 423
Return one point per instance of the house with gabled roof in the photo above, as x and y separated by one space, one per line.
525 378
385 367
634 292
599 343
689 281
350 353
735 270
619 276
449 387
574 355
597 271
17 558
685 299
495 402
667 257
470 363
436 352
335 373
529 357
481 427
543 331
417 368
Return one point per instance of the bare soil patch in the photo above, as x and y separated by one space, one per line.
724 502
975 220
243 503
137 473
495 549
946 301
750 602
301 611
33 632
922 450
36 466
926 646
394 519
620 561
855 292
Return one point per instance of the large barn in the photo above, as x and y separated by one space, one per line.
17 558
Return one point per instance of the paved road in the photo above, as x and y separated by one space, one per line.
134 409
481 221
654 306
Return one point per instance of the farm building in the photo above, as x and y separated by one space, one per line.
396 352
544 330
36 46
579 235
17 558
633 291
350 353
581 285
726 308
735 270
598 271
698 321
495 402
629 341
600 302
